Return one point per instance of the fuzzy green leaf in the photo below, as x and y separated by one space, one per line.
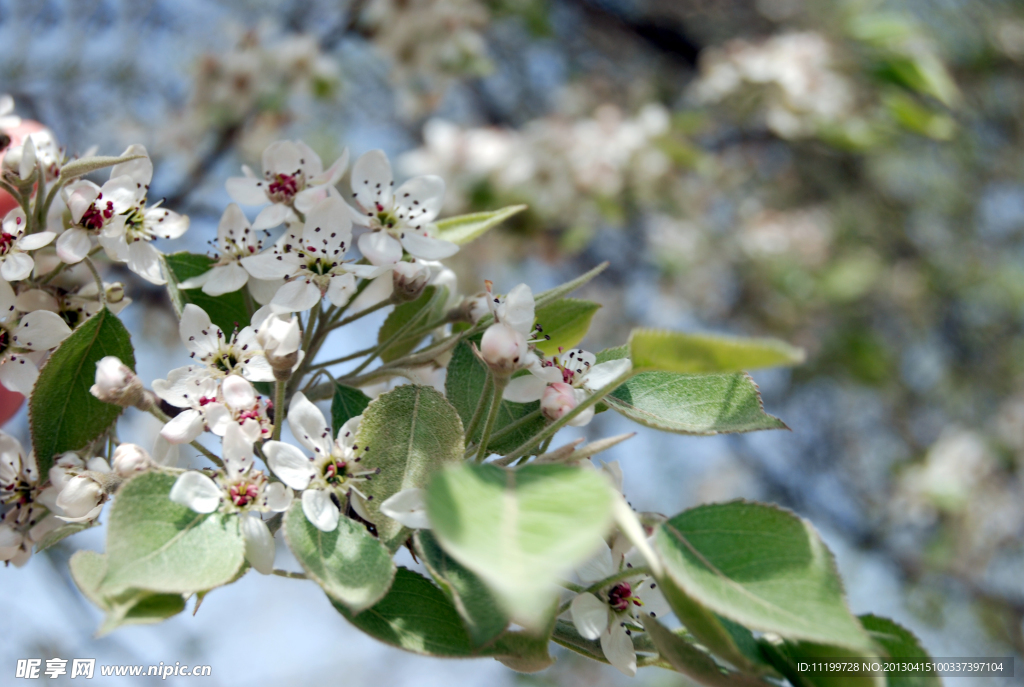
63 532
63 415
85 165
157 545
346 404
410 433
691 661
351 565
465 228
652 349
762 567
519 530
566 321
226 311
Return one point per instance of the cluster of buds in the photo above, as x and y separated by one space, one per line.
507 344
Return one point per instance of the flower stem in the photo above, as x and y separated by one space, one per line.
99 281
291 575
362 313
478 414
280 386
492 414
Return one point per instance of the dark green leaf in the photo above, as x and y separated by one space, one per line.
63 415
225 311
429 307
691 661
347 404
898 642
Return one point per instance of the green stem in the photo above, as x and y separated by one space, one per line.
391 340
290 575
344 358
492 414
99 281
478 414
513 426
362 313
280 387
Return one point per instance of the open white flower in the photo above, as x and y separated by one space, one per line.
611 614
326 477
294 178
310 259
576 372
236 239
15 245
238 489
28 518
221 355
25 341
397 219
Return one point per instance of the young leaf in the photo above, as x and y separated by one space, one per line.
158 545
465 228
762 567
409 433
63 415
64 531
427 308
691 661
85 165
687 353
474 601
226 311
347 403
786 656
898 642
519 530
566 321
351 565
464 387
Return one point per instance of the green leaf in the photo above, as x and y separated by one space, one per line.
158 545
85 165
652 349
465 228
692 662
898 642
429 307
63 532
474 601
351 565
410 433
227 311
566 321
63 415
464 387
762 567
786 656
519 530
132 607
347 403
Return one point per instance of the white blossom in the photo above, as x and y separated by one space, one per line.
236 239
129 459
15 245
408 507
24 341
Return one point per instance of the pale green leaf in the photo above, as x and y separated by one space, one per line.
158 545
786 655
465 228
63 532
519 530
351 565
85 165
762 567
692 662
409 433
566 321
652 349
63 415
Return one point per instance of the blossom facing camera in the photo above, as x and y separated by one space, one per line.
130 459
117 384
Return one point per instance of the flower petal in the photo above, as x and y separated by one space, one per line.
186 426
73 245
18 373
589 615
525 389
41 330
309 426
597 567
271 216
146 261
407 507
277 497
259 544
289 463
320 510
297 295
380 248
196 491
420 199
17 266
618 649
427 247
372 180
246 190
603 373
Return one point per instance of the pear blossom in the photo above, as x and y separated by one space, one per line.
397 219
20 161
326 477
82 303
579 375
81 499
37 150
310 260
24 342
506 344
221 355
29 515
236 239
612 613
240 490
408 507
129 459
213 404
15 245
294 178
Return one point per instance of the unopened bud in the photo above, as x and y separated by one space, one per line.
558 399
117 384
81 499
115 292
503 348
280 337
410 278
129 459
20 161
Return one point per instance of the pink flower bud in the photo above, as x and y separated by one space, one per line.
503 348
558 399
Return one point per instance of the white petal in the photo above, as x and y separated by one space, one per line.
603 373
17 266
28 158
271 216
618 649
282 157
36 241
164 452
237 449
41 331
420 199
332 174
184 427
268 265
145 260
7 299
427 247
264 290
589 615
78 196
259 544
18 373
597 567
73 245
278 497
232 228
380 288
328 228
289 463
164 223
517 309
525 389
407 507
309 426
586 415
341 288
372 179
654 603
297 295
224 279
380 248
197 332
320 510
246 190
196 491
140 170
238 393
115 245
123 192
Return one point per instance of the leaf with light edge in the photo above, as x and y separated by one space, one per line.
465 228
667 351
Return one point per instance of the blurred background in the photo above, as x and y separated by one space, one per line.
845 175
